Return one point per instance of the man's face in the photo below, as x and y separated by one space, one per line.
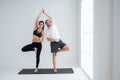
48 22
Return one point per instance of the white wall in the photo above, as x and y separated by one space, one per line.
106 40
79 32
116 39
16 26
102 49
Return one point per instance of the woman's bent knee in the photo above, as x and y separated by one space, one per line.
23 49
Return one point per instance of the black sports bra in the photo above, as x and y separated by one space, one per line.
36 33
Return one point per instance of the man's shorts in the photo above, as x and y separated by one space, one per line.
55 46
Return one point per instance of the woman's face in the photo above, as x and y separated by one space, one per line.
41 25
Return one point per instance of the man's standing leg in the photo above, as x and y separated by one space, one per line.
54 61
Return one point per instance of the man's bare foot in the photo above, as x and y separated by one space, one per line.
36 70
55 70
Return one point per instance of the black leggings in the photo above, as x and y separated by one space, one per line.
30 47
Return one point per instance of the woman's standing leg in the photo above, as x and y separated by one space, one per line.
38 57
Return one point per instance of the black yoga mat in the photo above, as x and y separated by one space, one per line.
47 71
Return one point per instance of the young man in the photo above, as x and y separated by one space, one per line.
56 43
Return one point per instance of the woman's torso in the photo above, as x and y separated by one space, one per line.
37 35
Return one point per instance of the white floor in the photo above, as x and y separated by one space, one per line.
11 74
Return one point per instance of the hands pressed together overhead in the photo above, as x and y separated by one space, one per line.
42 11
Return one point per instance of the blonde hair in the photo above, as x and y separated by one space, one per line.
47 20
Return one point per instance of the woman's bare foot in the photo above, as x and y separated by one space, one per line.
35 49
36 70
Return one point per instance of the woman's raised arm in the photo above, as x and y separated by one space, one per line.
37 21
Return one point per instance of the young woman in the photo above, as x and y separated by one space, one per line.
38 38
